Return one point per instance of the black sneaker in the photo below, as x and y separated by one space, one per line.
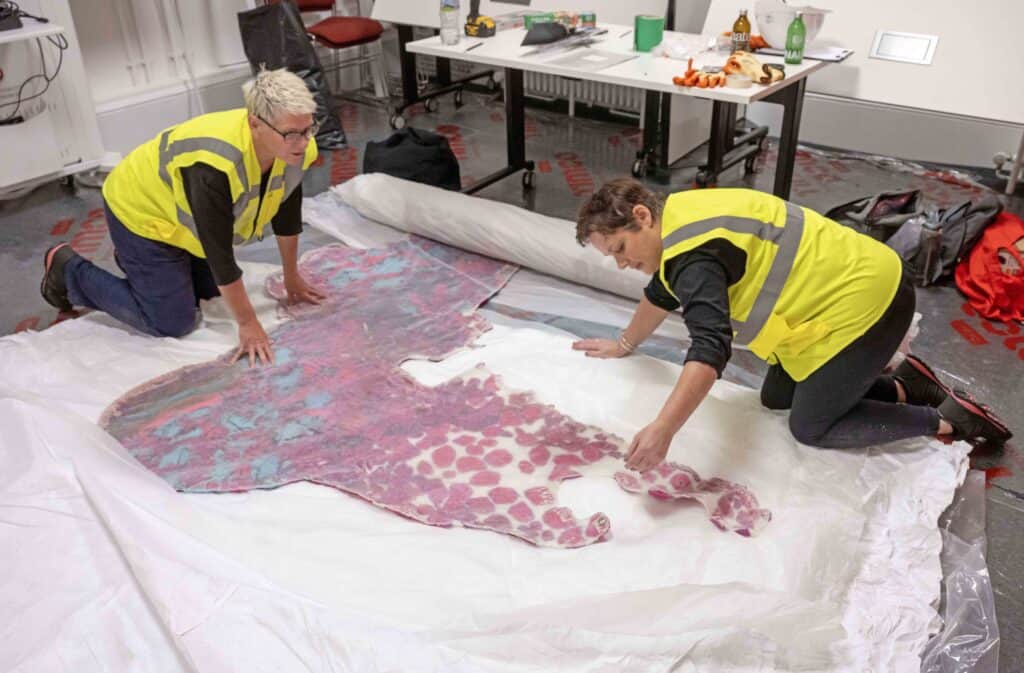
920 383
972 419
52 287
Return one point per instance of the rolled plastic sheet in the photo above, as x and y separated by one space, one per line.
498 230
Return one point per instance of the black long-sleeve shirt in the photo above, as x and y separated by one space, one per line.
701 278
209 197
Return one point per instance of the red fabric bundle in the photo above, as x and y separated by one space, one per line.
994 287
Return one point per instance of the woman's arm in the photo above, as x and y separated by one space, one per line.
645 320
702 284
650 446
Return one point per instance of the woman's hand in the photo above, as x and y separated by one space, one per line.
300 291
600 348
649 447
254 342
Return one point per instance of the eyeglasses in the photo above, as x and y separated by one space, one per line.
293 136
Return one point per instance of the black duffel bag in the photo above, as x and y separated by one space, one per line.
417 155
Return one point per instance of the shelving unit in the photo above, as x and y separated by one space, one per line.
59 136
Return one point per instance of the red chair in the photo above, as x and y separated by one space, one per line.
343 32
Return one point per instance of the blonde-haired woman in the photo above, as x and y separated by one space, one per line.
826 306
177 205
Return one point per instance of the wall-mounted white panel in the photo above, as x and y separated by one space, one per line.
905 47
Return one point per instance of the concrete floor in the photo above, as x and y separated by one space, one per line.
574 156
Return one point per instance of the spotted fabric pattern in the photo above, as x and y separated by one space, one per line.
337 409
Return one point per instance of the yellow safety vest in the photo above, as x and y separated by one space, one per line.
810 287
146 193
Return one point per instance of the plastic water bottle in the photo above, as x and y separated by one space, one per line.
450 28
796 35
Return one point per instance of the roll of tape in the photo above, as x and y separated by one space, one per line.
647 31
738 80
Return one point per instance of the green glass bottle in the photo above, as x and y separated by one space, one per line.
795 37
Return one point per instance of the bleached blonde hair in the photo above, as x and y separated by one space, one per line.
276 92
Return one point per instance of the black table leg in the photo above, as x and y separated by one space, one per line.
726 148
410 89
515 135
719 130
792 100
665 119
444 71
515 117
410 86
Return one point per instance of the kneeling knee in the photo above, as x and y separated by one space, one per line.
176 326
806 433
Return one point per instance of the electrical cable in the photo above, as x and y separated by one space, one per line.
61 43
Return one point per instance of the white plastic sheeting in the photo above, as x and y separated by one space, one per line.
106 568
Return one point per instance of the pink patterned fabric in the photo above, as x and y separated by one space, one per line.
336 409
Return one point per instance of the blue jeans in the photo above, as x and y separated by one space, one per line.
162 288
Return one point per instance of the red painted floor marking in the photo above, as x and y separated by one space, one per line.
996 473
969 333
1011 329
61 227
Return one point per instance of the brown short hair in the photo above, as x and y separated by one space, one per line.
611 208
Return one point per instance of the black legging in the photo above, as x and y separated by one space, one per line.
847 403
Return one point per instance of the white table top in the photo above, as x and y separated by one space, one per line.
644 72
32 29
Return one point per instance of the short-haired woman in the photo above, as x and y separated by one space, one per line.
826 306
177 205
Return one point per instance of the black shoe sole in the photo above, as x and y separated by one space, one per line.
1001 432
54 294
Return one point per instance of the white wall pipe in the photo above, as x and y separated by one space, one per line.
130 39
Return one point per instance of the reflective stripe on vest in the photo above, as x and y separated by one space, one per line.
787 238
169 152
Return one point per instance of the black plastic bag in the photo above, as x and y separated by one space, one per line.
931 246
881 215
417 155
273 37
